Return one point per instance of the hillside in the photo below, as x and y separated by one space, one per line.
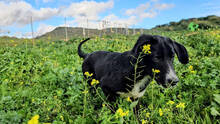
11 41
203 23
60 34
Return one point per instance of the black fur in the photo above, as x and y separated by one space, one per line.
115 71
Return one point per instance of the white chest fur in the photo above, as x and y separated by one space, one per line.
138 89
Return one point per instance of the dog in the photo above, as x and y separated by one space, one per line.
116 71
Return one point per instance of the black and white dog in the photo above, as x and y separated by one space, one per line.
116 71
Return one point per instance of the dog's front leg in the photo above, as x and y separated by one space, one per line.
136 110
110 95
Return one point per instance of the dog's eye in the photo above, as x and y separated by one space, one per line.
158 57
172 56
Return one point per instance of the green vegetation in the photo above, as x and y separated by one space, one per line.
203 23
44 82
11 41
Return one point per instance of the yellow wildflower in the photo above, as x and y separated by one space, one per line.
160 112
147 114
144 121
55 97
193 71
191 67
126 113
94 82
146 49
153 82
88 74
155 70
181 105
119 110
166 110
121 113
61 117
170 102
85 91
21 83
129 99
34 120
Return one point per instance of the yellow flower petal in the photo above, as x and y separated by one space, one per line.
160 112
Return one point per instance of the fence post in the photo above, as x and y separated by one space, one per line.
84 32
134 31
142 31
66 29
87 27
116 28
32 31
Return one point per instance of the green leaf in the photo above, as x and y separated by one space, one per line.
214 112
217 98
133 104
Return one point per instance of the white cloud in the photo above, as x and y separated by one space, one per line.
91 10
18 34
140 9
163 6
20 13
121 22
27 35
10 0
135 15
4 31
43 28
86 10
47 1
148 10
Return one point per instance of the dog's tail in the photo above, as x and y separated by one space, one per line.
80 52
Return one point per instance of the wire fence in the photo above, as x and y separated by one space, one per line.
86 28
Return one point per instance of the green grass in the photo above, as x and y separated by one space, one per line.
46 80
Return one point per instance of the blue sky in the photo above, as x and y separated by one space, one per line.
48 14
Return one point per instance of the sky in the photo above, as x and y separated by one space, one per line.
46 15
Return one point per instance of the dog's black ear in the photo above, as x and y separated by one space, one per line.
181 52
143 40
138 48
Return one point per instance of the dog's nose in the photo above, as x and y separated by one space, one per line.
173 82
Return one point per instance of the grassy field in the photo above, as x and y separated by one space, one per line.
44 83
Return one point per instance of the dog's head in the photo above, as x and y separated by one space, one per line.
161 57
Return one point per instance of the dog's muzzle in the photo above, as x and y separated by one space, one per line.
172 82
